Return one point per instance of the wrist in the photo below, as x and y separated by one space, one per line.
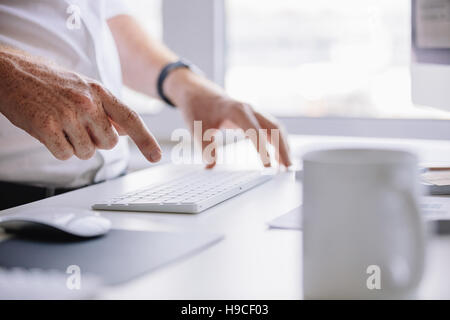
184 87
180 85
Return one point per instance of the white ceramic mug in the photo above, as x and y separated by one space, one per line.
363 234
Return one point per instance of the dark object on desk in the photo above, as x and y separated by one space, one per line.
437 190
116 257
16 194
441 226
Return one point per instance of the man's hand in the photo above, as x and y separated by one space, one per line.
201 100
142 59
68 113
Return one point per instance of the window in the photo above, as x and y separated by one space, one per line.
322 57
149 14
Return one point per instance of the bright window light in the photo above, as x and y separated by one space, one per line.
322 57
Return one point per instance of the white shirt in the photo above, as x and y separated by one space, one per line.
49 28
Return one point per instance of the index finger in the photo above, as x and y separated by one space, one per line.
248 122
132 124
282 147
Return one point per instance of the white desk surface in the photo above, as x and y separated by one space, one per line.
252 262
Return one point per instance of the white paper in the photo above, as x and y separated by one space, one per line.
290 220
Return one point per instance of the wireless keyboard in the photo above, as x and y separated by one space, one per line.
191 192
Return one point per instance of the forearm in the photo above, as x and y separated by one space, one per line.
142 59
15 66
141 56
5 65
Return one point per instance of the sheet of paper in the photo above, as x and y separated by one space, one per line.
433 208
437 177
290 220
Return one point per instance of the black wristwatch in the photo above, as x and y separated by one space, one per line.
182 63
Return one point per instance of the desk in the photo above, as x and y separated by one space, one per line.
252 262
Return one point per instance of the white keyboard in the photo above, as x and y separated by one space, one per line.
190 192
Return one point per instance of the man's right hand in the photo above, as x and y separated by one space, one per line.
68 113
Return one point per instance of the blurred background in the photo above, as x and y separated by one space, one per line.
347 58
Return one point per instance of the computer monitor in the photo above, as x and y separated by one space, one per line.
430 61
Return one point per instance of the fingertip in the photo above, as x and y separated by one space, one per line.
209 159
210 166
287 162
266 160
155 155
210 163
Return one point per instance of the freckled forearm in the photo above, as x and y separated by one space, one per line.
6 67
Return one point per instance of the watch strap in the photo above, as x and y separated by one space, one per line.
163 75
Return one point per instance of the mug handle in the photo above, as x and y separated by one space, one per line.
414 218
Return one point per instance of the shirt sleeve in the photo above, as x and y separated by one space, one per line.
114 8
